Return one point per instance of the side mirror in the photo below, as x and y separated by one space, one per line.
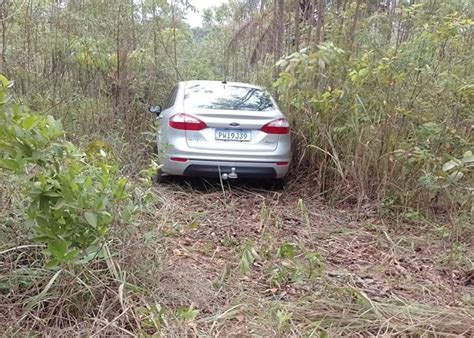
155 109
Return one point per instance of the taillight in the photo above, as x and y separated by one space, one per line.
280 126
179 159
186 122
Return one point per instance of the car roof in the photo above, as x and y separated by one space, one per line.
238 84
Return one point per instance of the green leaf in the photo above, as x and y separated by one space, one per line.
51 194
52 263
4 81
187 313
91 218
29 122
249 255
9 164
450 165
467 159
58 248
71 255
59 205
286 250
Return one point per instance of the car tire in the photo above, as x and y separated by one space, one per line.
279 183
160 177
276 184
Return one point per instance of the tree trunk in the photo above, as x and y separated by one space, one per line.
297 25
3 16
123 50
175 52
320 27
354 26
278 29
391 11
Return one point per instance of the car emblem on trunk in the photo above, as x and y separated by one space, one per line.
234 124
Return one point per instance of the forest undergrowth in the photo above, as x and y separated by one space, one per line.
243 259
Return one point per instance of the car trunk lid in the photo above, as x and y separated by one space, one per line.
233 130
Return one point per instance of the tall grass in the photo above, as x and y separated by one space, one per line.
377 120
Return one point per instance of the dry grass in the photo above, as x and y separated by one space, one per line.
371 277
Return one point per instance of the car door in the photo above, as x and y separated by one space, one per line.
162 139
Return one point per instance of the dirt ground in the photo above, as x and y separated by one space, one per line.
247 260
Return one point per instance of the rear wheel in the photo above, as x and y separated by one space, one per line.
275 184
160 177
279 183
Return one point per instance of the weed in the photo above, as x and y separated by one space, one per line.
286 250
457 255
283 318
229 241
187 313
304 213
247 258
150 318
295 269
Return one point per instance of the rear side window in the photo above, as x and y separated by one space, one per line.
171 98
226 97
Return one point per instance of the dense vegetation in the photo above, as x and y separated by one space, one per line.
380 95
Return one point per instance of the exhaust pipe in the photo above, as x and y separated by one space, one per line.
232 175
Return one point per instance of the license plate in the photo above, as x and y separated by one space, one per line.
233 135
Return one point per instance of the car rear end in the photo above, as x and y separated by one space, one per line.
229 130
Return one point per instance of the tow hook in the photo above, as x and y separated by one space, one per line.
232 175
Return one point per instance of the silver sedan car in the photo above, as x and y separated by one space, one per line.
222 129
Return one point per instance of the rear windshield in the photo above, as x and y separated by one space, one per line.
227 97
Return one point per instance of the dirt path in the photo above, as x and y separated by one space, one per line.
254 261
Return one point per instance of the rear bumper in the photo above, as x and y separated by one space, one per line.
214 169
208 163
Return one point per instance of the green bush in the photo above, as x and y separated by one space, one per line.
372 120
72 196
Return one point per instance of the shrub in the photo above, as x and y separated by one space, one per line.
72 196
371 121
